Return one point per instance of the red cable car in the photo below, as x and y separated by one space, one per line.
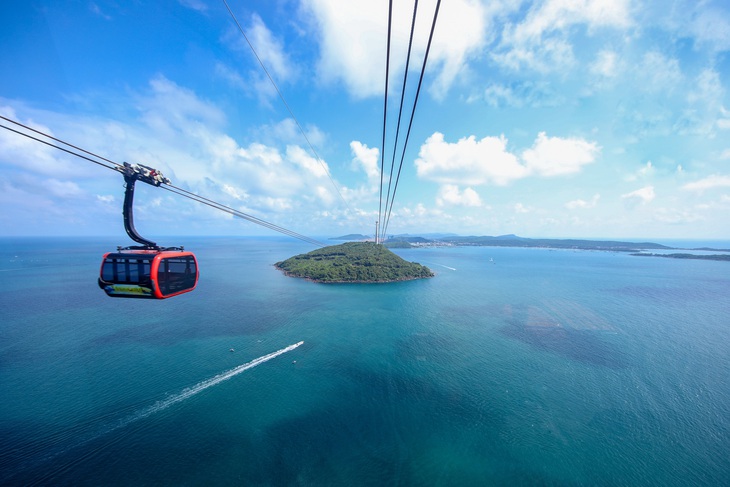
146 271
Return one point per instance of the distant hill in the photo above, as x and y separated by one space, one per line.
352 236
353 262
724 257
408 239
515 241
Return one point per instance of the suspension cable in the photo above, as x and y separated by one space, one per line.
174 189
400 110
281 96
415 102
385 118
113 166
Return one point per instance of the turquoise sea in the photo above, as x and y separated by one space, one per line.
536 367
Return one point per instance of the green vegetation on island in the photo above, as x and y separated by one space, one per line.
353 262
687 256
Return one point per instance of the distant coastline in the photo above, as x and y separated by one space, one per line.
725 257
642 249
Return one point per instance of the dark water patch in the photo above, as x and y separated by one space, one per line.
380 431
430 347
584 346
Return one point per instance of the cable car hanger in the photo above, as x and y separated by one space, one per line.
146 270
133 173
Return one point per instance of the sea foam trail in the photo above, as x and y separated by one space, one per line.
200 387
155 408
451 268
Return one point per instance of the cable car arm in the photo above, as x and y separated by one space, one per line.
131 174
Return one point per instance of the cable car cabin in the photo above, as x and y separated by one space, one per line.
152 274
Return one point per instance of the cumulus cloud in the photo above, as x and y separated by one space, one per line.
270 50
605 65
575 204
174 130
468 161
643 195
553 156
62 189
473 162
367 159
540 42
450 195
711 182
527 93
353 40
658 73
643 172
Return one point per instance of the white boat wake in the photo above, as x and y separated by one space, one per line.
161 405
200 387
450 268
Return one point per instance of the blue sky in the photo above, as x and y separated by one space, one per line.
555 118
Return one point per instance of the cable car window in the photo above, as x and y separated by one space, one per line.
176 274
108 270
124 270
133 270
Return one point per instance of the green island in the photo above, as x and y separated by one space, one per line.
353 262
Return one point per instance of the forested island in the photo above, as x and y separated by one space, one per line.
353 262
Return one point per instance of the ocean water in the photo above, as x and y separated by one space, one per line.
510 367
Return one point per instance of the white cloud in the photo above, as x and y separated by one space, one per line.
658 73
527 93
575 204
353 40
62 189
96 10
198 5
707 90
711 182
310 164
707 23
520 208
450 195
473 162
606 65
459 34
367 159
27 154
270 50
553 156
643 195
230 75
170 107
540 41
468 161
644 172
